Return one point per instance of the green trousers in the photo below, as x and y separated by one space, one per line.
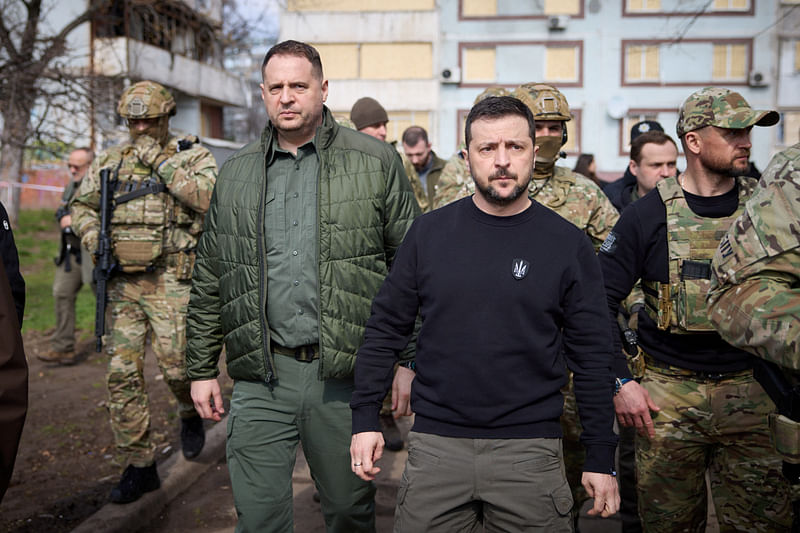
264 427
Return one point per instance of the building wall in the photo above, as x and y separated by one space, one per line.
616 62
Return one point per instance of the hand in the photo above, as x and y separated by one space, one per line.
605 491
365 449
65 221
401 391
207 399
148 151
89 241
633 405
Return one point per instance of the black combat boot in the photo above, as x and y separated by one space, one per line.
135 482
193 436
392 440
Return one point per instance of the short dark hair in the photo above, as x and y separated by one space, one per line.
414 134
497 107
298 49
651 137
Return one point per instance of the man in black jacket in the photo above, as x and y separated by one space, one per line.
485 446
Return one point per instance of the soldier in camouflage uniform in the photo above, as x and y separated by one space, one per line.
754 300
73 267
162 187
709 413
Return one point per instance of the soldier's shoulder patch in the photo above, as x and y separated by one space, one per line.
609 245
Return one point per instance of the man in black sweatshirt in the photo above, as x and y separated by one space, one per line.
510 295
710 413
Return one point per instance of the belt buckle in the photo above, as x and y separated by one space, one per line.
304 354
709 376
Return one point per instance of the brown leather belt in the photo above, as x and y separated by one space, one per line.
304 354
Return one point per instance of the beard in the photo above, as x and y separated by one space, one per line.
727 168
491 195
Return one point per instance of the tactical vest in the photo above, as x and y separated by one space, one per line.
679 306
145 214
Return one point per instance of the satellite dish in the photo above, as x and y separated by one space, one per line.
617 107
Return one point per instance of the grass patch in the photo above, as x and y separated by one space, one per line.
37 237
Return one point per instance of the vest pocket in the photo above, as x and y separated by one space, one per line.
692 305
137 247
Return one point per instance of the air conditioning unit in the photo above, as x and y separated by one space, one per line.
450 75
757 79
557 22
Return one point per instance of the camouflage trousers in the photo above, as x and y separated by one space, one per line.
574 454
141 305
719 426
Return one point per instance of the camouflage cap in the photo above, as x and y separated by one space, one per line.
715 106
146 99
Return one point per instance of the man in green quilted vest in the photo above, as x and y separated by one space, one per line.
698 410
302 229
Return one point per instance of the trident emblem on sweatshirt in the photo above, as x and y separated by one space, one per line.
520 268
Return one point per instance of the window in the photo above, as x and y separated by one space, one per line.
376 61
642 63
392 61
729 62
561 64
515 9
731 5
789 128
479 65
797 56
644 5
400 120
360 5
558 62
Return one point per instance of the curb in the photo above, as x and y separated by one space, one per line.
176 475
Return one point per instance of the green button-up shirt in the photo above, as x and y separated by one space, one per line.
292 244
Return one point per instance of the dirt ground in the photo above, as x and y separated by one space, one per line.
66 465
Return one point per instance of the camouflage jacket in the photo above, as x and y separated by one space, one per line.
424 197
176 214
754 301
574 197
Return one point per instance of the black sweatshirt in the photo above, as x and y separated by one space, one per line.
492 349
640 251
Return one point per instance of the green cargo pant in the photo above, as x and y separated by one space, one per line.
715 425
264 427
139 305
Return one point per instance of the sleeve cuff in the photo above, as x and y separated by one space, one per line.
365 418
600 459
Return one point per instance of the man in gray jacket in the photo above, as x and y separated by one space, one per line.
302 228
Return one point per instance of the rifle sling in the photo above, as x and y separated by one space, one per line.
154 188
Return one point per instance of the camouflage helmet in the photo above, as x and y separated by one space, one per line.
545 101
491 91
146 99
716 106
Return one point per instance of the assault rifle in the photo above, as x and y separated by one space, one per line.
787 402
105 265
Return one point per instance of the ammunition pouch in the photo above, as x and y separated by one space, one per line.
183 262
786 437
137 230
